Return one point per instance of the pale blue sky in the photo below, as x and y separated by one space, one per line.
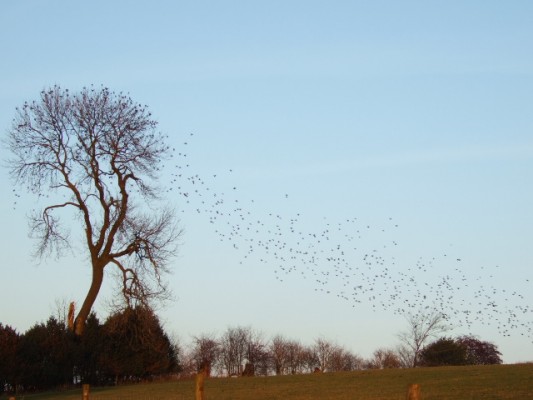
419 111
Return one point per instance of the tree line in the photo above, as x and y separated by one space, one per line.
131 346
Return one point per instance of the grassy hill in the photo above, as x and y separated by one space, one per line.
444 383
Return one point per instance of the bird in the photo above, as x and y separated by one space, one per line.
356 261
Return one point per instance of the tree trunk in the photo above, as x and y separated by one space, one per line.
96 284
200 377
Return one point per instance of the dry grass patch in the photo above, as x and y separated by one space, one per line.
496 382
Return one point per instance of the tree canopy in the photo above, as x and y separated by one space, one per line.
93 157
464 350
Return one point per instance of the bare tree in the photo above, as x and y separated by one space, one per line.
233 350
338 359
309 359
205 353
324 351
279 354
256 353
385 358
94 157
290 356
421 327
295 356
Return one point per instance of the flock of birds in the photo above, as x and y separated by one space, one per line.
352 260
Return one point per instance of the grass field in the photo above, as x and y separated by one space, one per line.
446 383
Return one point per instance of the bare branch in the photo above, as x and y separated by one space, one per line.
422 326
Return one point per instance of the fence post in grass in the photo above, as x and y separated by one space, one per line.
200 377
85 391
413 392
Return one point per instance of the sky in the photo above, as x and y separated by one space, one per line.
373 158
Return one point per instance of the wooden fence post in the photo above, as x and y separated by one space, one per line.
85 390
413 392
200 377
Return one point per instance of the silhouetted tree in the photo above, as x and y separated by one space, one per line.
384 358
205 352
136 347
422 326
279 354
257 357
479 352
444 351
324 350
343 360
9 364
95 156
233 349
46 356
89 352
310 359
295 356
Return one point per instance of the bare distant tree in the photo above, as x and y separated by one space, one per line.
324 351
233 350
279 354
295 357
94 158
290 356
353 362
422 326
338 359
205 352
385 358
257 353
310 360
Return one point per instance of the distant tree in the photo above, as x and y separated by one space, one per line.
479 352
94 157
422 326
136 346
279 354
324 351
9 364
405 356
384 358
295 357
257 357
233 350
205 352
442 352
342 359
309 359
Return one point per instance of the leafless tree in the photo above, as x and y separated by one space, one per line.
385 358
421 327
233 350
93 157
342 359
338 359
295 356
205 352
324 351
310 360
353 362
257 353
279 354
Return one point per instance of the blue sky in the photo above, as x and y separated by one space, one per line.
413 117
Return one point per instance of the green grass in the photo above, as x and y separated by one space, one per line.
446 383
